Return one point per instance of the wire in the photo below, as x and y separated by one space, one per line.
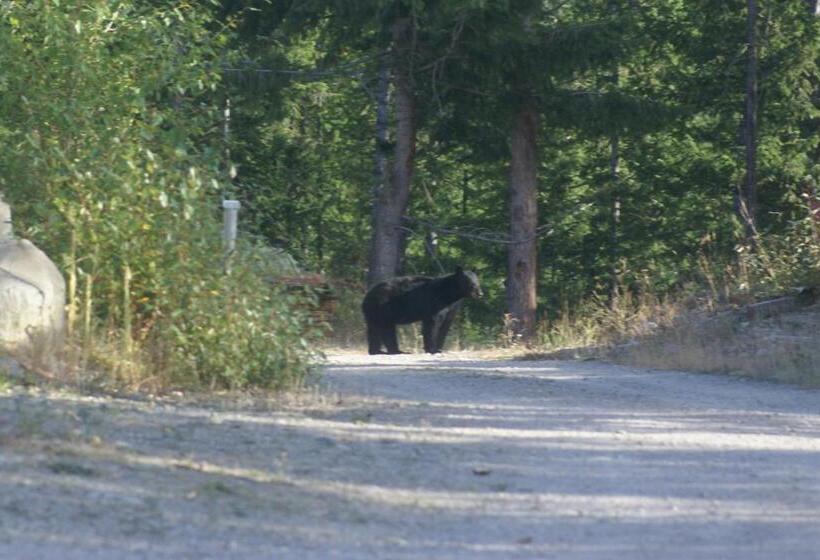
475 233
351 69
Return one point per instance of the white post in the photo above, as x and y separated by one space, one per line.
6 232
230 210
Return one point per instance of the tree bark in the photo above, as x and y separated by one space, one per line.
615 213
380 176
747 200
522 251
390 204
615 190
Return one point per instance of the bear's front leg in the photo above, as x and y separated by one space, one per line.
441 326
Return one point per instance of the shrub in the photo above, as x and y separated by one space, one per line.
112 164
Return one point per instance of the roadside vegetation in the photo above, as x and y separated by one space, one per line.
110 163
759 318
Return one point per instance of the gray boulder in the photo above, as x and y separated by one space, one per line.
32 290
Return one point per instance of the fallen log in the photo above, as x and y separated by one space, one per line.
786 304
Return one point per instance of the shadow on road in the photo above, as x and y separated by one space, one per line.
423 459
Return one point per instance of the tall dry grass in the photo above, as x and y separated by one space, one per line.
706 326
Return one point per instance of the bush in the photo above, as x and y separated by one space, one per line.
234 330
112 164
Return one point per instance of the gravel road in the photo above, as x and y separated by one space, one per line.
426 458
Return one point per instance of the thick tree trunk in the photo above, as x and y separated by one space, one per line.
747 200
522 255
388 240
380 174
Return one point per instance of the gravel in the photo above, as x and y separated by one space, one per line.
420 457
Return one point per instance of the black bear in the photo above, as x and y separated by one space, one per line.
407 299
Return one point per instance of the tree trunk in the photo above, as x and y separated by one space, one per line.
388 239
747 200
615 190
615 222
521 255
380 177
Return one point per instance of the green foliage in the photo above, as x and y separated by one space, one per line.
115 158
304 161
666 80
233 330
111 154
783 263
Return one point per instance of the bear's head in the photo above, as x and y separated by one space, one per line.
468 285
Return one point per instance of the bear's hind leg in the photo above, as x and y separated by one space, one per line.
374 344
391 341
428 335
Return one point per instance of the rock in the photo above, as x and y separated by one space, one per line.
32 291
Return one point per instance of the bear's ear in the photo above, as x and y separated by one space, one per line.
459 270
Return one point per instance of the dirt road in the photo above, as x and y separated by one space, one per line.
423 458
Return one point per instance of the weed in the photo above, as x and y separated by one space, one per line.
703 327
